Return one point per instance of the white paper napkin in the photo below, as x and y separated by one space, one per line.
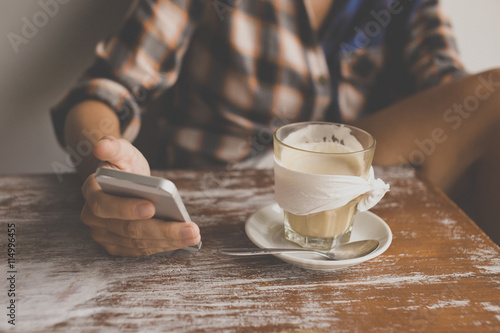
303 193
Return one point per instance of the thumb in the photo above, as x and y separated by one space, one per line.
122 154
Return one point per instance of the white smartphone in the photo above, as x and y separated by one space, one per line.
161 192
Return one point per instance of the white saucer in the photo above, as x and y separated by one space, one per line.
265 229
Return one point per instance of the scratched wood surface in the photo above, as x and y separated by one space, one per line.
441 273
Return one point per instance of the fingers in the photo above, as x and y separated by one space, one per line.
104 205
173 242
140 237
123 251
121 153
143 229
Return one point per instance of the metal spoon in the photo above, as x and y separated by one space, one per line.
340 252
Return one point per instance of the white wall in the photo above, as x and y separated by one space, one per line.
477 30
32 79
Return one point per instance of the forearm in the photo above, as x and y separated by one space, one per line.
443 130
86 123
435 114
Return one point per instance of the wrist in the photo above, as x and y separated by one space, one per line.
87 123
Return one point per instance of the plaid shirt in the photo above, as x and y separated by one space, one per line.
236 70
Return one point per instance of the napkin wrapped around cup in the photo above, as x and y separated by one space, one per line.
303 193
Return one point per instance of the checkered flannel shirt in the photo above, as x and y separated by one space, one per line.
236 70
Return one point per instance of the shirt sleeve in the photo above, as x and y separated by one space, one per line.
431 54
137 64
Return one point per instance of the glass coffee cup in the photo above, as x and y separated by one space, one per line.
321 148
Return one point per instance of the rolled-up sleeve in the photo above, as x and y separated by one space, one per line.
137 64
431 55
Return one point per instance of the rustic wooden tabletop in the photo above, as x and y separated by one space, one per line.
440 274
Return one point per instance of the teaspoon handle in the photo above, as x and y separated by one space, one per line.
256 252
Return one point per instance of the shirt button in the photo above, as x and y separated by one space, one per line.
323 79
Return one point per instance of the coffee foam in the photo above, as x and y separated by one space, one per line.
305 138
324 150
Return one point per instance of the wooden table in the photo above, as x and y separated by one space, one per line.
441 273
